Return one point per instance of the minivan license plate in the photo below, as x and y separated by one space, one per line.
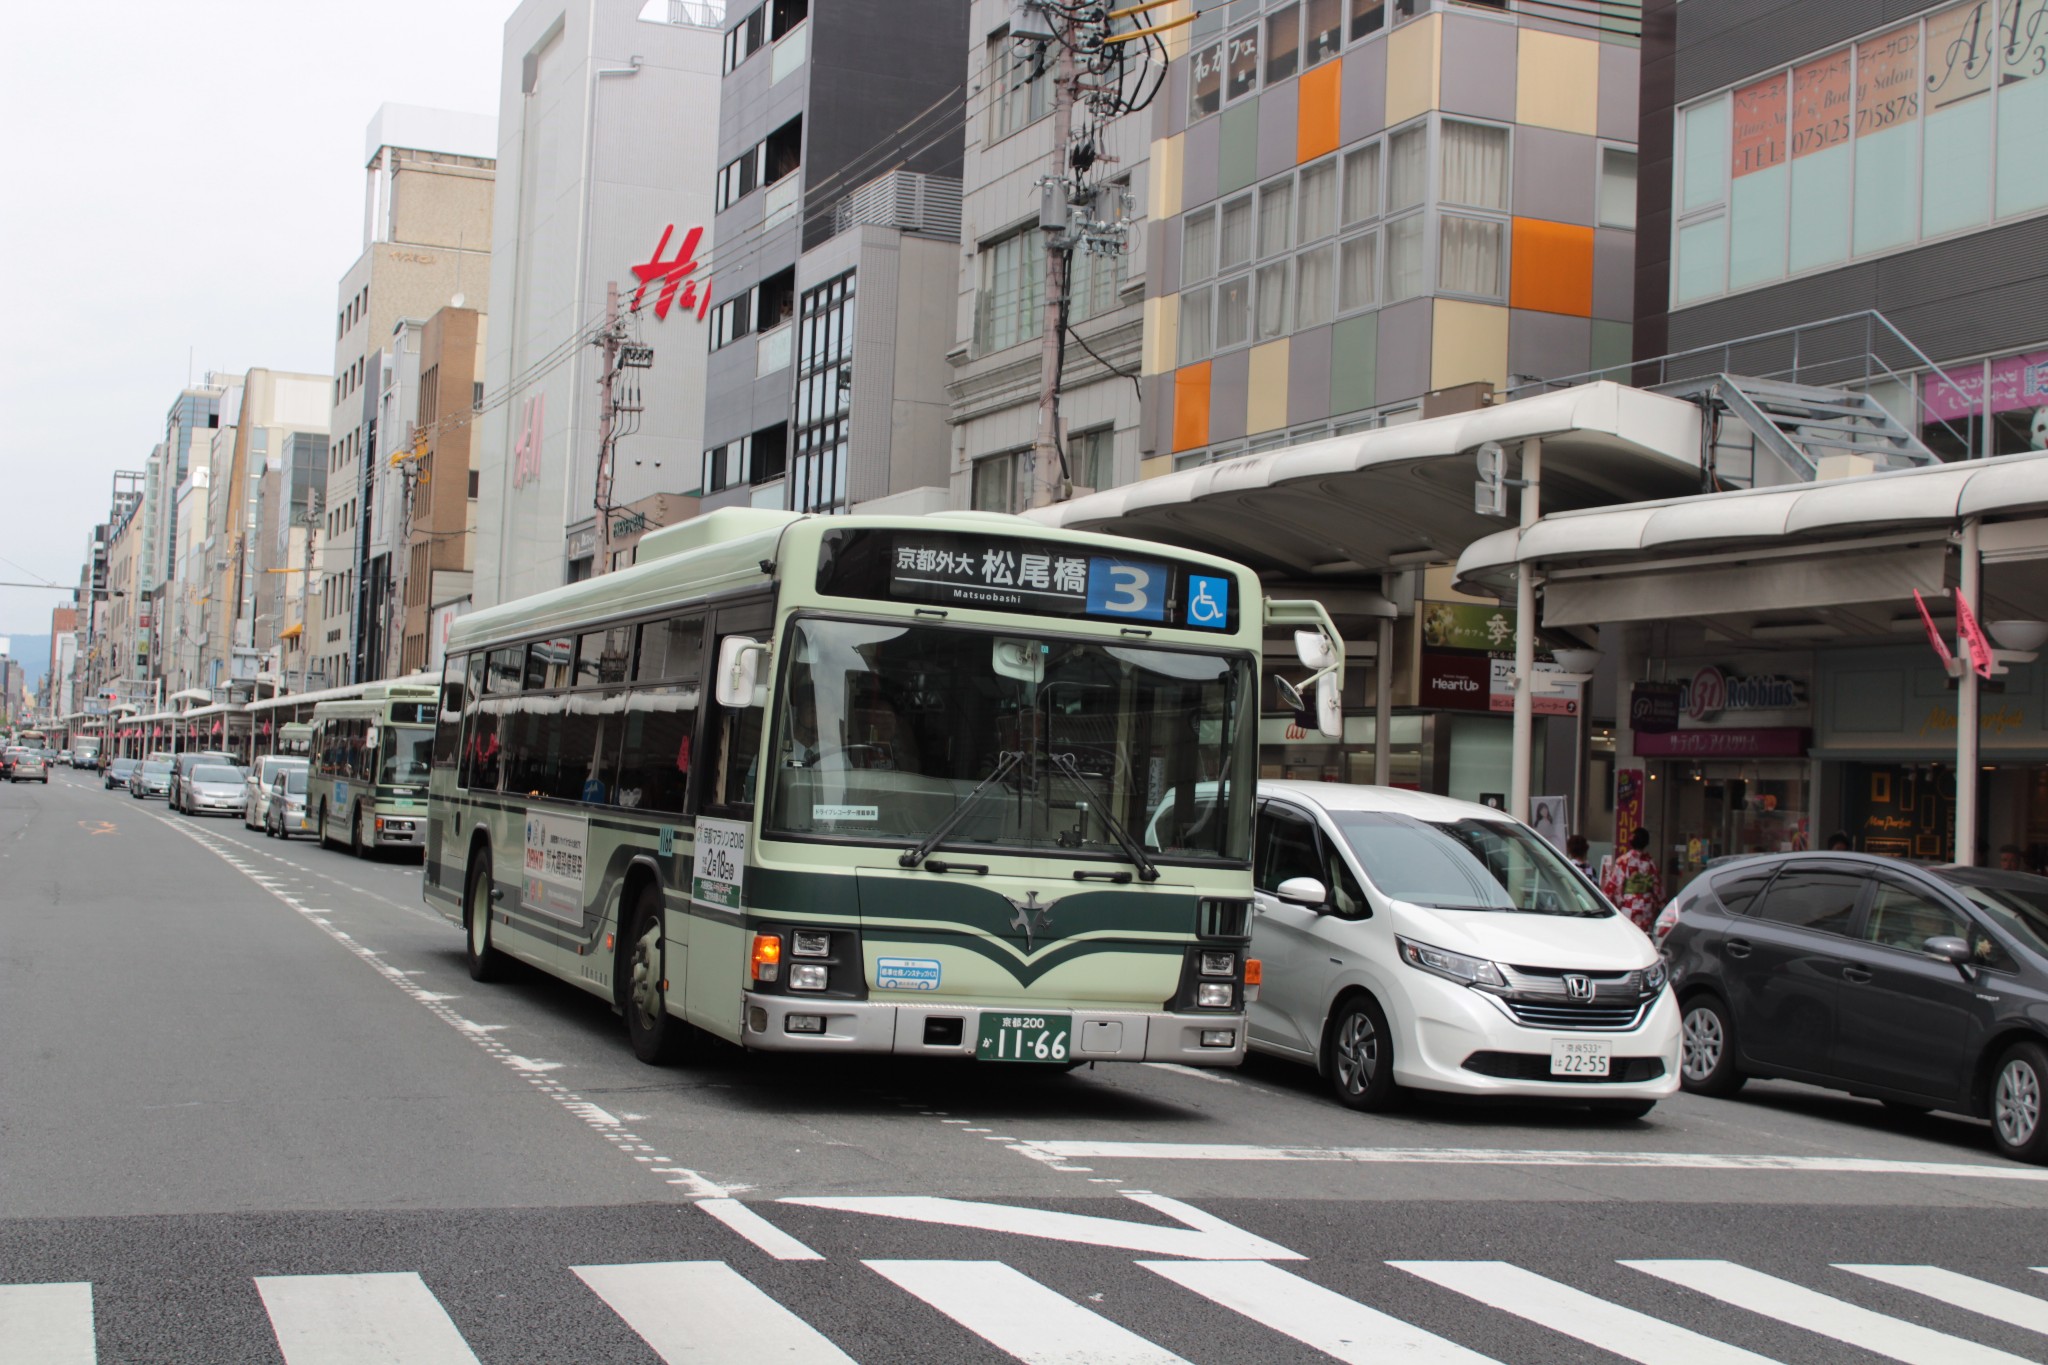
1580 1056
1023 1037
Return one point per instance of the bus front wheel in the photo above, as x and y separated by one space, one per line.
485 963
355 833
658 1037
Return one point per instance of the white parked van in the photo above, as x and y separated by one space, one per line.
1414 941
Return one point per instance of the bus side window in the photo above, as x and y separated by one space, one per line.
654 760
448 724
480 753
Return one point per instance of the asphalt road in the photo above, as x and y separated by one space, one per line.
252 1109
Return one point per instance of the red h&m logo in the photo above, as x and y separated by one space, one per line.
526 450
672 275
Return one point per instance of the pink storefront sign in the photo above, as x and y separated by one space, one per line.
1785 741
2017 382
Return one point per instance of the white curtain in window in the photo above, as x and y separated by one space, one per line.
1469 256
1407 168
1475 165
1276 211
1361 184
1236 244
1233 312
1316 215
1197 321
1273 301
1315 286
1358 272
1197 247
1405 259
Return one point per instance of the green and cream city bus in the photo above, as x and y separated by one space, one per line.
369 753
953 786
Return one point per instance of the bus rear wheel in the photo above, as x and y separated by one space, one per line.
658 1037
325 842
355 833
485 963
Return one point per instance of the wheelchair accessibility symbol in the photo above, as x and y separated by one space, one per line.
1208 602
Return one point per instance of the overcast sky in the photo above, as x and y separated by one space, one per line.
186 189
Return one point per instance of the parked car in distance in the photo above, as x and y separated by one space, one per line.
30 765
285 810
214 789
257 786
1413 941
1922 987
181 773
153 778
119 771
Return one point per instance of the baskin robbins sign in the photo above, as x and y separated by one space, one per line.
1712 693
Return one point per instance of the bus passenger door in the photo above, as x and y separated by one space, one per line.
724 781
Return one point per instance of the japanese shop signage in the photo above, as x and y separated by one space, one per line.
1653 707
1712 692
1467 626
1008 574
673 277
2017 382
1773 742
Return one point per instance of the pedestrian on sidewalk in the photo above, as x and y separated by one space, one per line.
1633 883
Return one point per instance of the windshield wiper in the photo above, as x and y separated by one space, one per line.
1132 849
1005 761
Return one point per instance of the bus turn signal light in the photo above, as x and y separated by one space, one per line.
767 957
1252 971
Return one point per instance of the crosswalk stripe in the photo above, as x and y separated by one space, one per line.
758 1230
46 1324
1018 1315
389 1319
1819 1313
705 1311
1313 1315
1595 1321
1964 1291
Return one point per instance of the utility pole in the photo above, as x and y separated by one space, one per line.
310 518
602 501
1049 475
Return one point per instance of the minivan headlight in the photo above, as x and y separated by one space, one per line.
1466 971
1654 977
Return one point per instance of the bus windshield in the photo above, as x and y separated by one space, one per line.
882 730
407 749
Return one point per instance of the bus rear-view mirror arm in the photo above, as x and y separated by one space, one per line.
739 672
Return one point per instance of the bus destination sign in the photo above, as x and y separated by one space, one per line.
1003 574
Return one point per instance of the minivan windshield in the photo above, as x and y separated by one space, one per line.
1472 864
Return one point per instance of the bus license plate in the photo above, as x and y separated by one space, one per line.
1580 1056
1024 1038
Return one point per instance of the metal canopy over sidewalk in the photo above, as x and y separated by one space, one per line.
1807 564
1355 505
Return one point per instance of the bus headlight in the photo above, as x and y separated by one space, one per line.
807 976
1219 964
810 943
1213 995
767 957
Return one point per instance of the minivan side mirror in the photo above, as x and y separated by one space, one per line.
1307 891
739 672
1948 948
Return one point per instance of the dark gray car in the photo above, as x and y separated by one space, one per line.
1926 988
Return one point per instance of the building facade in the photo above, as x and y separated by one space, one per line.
426 242
605 169
835 245
1357 205
440 485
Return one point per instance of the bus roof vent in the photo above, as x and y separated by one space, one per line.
726 524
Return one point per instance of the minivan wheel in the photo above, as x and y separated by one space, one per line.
1706 1048
2016 1103
1361 1056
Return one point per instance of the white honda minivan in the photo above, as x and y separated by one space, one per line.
1415 941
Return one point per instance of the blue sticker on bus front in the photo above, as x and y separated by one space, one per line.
1136 591
1208 602
907 973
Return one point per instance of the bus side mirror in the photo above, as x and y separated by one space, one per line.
739 672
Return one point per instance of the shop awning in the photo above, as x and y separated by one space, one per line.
292 632
1397 496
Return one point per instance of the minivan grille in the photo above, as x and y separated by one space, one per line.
1544 997
1574 1016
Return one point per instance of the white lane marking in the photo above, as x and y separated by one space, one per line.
1204 1238
1504 1156
393 1319
1199 1073
758 1230
1313 1315
1018 1315
46 1324
1577 1314
707 1311
1964 1291
1817 1312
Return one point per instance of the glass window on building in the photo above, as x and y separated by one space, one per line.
1323 32
1472 256
1408 168
1241 64
1274 296
1361 202
995 482
1617 187
1091 458
1955 182
1096 277
824 397
1315 286
1358 271
1367 17
1283 43
1018 85
1197 247
1316 207
1407 264
1235 241
1233 312
1197 324
1276 217
1009 306
1475 165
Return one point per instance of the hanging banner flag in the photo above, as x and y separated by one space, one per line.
1933 635
1973 636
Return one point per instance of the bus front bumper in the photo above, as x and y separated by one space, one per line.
400 831
906 1029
